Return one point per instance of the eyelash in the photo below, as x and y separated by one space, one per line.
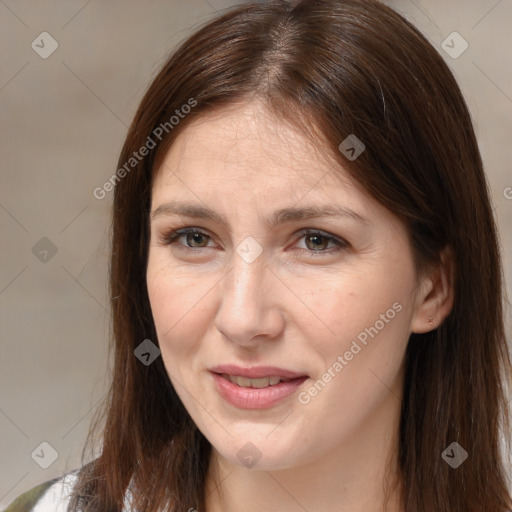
172 236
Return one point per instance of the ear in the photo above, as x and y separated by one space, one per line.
435 296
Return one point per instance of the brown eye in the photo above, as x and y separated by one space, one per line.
187 238
318 242
196 239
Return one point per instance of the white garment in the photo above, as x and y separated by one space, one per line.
57 497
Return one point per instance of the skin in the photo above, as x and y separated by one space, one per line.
288 308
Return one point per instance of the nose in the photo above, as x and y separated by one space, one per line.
249 308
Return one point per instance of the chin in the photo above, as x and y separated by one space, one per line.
255 453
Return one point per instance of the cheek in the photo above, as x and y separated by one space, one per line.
344 305
366 320
163 298
359 366
179 306
172 295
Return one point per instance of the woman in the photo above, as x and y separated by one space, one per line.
305 279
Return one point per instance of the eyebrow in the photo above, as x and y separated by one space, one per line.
199 211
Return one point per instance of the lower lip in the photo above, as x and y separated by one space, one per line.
255 398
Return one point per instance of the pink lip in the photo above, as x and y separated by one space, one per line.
256 372
256 398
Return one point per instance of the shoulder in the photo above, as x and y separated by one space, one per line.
54 496
50 496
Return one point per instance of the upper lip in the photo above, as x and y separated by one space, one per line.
256 372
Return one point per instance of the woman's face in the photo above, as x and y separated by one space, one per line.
263 284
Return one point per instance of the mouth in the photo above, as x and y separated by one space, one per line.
257 372
246 382
256 387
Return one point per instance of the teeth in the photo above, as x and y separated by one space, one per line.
245 382
242 381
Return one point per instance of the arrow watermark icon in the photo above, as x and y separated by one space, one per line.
147 352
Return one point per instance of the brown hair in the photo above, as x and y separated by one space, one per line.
332 68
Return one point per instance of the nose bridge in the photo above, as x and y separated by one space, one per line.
244 284
246 308
247 276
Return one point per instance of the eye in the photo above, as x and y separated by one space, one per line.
320 243
193 238
317 243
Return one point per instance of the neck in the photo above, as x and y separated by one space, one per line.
356 476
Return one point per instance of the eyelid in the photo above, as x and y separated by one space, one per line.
169 237
340 244
325 234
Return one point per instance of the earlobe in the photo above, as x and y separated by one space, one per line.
435 297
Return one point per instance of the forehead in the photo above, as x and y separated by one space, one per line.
244 162
247 146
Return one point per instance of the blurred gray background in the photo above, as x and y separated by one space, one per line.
64 116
